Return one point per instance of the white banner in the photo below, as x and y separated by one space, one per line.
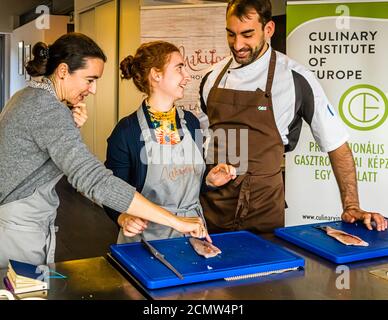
197 30
345 44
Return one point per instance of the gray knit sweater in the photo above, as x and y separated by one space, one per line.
39 140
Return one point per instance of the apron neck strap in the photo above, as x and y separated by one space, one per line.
218 80
271 72
145 130
270 76
181 116
180 113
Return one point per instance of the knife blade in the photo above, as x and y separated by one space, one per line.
160 257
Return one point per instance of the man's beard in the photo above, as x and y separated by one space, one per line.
254 54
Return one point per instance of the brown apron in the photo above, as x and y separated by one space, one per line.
254 200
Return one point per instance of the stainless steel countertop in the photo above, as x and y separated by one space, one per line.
317 281
87 279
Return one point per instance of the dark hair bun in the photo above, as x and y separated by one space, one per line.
37 66
126 67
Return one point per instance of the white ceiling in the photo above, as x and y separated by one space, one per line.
166 2
18 7
12 8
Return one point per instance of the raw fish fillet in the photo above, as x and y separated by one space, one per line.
345 238
204 248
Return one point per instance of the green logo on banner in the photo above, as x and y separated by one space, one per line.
363 107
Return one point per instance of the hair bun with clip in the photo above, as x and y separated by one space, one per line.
44 53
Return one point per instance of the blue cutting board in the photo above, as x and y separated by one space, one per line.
243 253
317 241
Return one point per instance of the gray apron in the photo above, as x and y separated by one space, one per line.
173 180
27 231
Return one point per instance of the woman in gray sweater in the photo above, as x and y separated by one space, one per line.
40 142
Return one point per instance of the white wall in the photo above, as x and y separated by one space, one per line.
278 7
7 22
7 67
30 34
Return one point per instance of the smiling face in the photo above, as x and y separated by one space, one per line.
247 38
79 84
172 81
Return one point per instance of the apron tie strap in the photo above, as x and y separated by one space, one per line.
243 197
195 207
51 243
